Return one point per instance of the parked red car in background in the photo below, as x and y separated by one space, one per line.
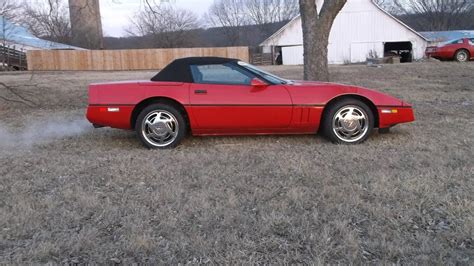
461 50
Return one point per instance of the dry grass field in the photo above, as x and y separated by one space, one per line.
72 194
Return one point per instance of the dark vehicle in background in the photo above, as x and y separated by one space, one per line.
461 50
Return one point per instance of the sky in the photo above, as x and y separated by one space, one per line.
116 13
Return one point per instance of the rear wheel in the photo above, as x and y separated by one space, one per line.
160 126
349 121
462 56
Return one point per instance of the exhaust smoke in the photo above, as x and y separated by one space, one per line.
42 131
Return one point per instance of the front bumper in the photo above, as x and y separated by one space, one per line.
390 116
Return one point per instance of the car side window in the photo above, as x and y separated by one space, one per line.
471 41
220 74
460 41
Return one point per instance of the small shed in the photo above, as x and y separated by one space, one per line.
361 30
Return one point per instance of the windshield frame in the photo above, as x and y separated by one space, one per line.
269 77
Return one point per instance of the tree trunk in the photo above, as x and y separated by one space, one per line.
86 25
316 29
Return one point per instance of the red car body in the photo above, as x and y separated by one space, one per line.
449 50
219 109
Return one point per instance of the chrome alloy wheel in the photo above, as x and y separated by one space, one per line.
461 56
350 123
160 128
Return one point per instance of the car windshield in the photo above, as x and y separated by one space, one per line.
268 76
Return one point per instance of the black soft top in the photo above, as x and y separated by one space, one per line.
179 71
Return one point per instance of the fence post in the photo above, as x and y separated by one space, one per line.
2 56
273 54
8 57
21 59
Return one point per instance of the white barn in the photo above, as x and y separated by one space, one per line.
361 28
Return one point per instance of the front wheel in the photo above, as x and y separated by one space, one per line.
348 121
160 126
462 56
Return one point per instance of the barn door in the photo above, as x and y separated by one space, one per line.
292 55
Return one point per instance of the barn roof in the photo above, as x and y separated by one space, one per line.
374 3
282 29
22 36
399 21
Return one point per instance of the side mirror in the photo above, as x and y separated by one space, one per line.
258 83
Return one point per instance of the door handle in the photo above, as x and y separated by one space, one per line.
200 91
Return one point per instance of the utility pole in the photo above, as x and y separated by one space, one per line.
86 24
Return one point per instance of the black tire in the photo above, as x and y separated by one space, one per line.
176 128
330 120
462 55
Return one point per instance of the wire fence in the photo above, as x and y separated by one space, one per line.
12 58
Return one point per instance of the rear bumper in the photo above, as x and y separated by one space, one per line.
433 54
440 54
390 116
110 116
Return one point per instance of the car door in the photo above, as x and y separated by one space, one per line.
221 97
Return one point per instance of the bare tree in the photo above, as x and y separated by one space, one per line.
230 16
316 29
437 14
270 11
47 19
9 9
387 5
5 30
165 24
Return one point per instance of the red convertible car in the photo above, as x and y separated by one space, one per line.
461 50
221 96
